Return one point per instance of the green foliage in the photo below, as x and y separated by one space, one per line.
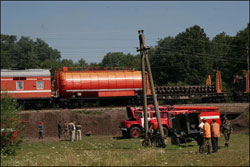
118 59
190 56
185 59
177 60
82 63
10 126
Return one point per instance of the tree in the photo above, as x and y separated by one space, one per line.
239 53
44 52
26 53
7 44
183 59
82 63
220 49
67 63
10 124
119 59
162 62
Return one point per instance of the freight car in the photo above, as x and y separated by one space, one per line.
207 93
74 88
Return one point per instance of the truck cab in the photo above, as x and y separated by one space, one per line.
134 125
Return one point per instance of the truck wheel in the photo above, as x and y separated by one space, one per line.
165 131
160 143
135 132
175 140
146 143
124 134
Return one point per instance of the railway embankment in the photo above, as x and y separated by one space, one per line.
106 121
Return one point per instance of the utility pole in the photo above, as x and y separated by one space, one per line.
143 50
144 87
247 73
247 58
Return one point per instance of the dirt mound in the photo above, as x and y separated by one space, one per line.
106 121
241 123
96 122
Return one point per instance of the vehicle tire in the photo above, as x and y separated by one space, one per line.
124 134
175 140
135 132
160 143
146 143
165 130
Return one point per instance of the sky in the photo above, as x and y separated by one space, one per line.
90 30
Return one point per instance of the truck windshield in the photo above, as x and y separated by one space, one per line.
138 114
163 115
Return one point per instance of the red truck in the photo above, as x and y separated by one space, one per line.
133 127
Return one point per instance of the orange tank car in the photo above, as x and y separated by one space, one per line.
98 83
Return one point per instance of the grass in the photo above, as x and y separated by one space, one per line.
108 151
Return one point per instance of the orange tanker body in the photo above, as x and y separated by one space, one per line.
98 83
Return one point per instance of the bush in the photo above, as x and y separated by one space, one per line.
11 125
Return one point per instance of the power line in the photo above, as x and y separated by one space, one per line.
95 47
244 47
171 49
203 57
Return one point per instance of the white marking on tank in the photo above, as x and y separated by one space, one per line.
27 91
210 117
94 90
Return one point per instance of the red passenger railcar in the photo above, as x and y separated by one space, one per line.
31 86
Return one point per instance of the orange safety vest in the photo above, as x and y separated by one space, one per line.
215 128
206 130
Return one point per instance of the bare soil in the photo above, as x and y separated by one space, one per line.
241 123
93 121
106 121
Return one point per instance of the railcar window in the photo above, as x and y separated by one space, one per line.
19 85
39 84
19 78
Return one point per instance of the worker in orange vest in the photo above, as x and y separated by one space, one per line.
215 130
206 136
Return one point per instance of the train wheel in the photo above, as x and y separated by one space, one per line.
37 106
